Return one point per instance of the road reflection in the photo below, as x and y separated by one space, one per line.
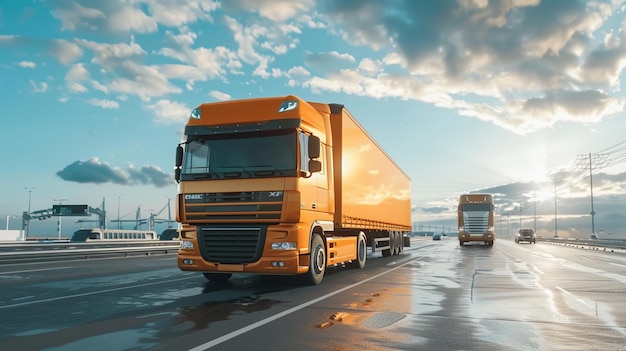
203 315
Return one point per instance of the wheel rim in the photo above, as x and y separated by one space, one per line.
319 259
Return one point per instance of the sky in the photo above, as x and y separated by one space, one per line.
513 98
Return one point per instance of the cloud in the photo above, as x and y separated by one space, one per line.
538 62
522 65
117 16
39 87
274 10
62 50
95 171
75 77
435 210
220 96
127 74
169 112
328 61
27 64
104 103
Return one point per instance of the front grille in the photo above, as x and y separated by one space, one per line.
476 224
250 206
236 244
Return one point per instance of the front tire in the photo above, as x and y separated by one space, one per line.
317 261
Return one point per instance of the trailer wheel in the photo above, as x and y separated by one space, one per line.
217 277
398 240
396 244
390 251
361 252
399 243
317 261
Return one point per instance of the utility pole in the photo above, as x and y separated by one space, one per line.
508 230
521 205
596 161
535 211
556 235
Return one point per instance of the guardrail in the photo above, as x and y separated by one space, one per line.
54 251
593 243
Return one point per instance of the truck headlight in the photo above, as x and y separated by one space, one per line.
283 246
186 244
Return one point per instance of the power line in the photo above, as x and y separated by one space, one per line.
593 162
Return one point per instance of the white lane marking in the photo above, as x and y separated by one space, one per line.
34 270
90 293
267 320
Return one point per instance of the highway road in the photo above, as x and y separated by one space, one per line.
435 296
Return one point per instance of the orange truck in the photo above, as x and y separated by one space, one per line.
282 186
477 215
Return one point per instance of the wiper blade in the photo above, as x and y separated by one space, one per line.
232 174
266 173
204 175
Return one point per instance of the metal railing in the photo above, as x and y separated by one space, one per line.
54 251
593 243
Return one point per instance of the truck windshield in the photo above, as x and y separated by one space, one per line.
477 207
241 156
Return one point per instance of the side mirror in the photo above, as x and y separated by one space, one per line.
315 166
179 162
314 146
179 156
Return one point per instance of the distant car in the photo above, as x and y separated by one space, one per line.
526 235
170 234
437 236
594 236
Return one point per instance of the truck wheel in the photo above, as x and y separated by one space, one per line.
317 261
398 242
361 252
389 252
217 277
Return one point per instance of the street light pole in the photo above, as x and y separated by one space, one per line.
9 216
30 190
59 217
118 210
